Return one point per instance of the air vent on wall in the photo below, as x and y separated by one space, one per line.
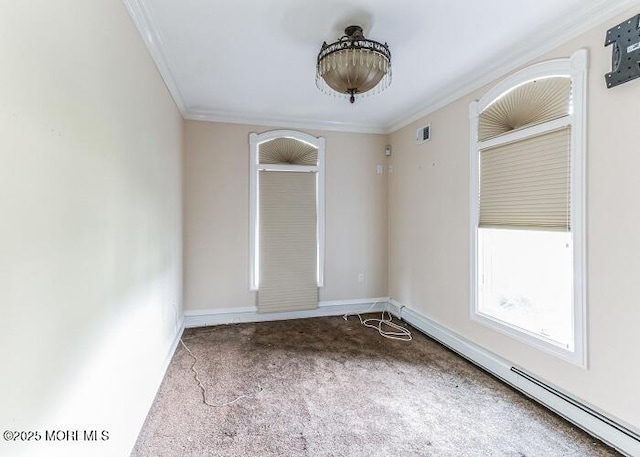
423 134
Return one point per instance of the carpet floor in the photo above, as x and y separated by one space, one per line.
330 387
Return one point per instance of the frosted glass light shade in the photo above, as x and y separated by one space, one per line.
359 70
353 65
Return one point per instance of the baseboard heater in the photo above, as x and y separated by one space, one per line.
621 437
621 428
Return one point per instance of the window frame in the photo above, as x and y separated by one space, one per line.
255 140
574 67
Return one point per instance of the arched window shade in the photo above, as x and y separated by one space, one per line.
287 219
531 103
527 176
288 151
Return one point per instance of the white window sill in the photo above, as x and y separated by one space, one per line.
576 357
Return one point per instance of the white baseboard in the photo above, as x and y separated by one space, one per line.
156 381
620 436
172 350
208 317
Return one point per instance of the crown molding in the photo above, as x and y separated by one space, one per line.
283 122
523 52
553 36
149 34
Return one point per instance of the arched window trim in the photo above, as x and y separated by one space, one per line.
574 67
254 166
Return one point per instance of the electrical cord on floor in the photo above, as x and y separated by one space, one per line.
204 390
399 332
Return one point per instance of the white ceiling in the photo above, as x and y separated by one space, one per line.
253 61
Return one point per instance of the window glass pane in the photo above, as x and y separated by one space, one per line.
525 279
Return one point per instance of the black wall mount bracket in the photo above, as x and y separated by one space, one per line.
625 54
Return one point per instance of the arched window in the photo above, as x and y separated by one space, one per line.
527 206
287 219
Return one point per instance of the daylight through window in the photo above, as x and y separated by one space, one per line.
528 206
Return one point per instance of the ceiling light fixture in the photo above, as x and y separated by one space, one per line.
353 65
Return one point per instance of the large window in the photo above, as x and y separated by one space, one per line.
528 234
287 219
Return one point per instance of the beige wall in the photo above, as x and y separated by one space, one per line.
90 236
429 236
216 200
90 232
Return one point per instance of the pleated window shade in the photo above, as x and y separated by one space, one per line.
526 184
287 151
530 104
288 241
